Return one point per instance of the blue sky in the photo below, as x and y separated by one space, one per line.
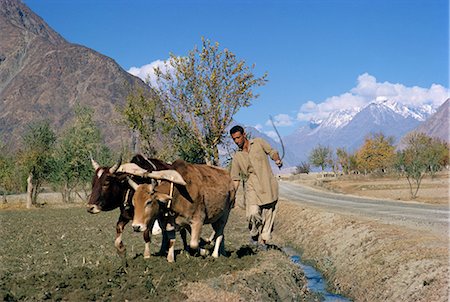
320 55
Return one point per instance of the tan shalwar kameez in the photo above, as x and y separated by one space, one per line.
261 187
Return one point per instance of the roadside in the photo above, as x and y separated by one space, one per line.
432 190
363 257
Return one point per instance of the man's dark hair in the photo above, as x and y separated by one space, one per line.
235 129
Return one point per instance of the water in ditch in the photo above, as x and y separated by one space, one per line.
316 282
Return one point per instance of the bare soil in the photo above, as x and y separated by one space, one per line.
58 253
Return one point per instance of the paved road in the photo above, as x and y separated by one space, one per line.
417 215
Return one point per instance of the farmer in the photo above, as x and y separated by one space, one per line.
260 188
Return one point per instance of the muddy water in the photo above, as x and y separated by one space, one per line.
316 282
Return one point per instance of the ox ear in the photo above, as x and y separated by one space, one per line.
170 175
162 197
132 184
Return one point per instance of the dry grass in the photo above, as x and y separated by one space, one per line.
432 190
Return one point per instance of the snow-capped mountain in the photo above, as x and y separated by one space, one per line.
419 113
349 128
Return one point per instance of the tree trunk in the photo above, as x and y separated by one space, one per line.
216 156
29 190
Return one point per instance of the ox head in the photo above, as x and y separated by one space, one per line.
148 199
107 189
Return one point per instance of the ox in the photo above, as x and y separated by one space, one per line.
189 196
110 190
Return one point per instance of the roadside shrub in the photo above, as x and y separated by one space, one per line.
303 167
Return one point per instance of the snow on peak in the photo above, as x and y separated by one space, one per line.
419 113
340 118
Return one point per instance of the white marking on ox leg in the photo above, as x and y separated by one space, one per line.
118 243
171 252
217 246
147 250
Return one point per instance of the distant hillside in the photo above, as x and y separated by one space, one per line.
42 76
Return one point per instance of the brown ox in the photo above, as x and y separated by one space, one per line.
110 190
189 196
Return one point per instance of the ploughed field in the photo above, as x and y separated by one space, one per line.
66 254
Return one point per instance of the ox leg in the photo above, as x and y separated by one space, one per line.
171 239
212 236
121 250
147 240
218 227
196 229
183 234
217 246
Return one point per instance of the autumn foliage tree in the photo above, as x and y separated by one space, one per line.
377 154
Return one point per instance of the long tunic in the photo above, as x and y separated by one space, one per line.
261 187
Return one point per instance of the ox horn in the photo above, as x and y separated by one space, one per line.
170 175
132 169
114 168
132 184
95 165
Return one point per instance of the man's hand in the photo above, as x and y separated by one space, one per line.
279 163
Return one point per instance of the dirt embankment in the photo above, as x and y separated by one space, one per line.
364 258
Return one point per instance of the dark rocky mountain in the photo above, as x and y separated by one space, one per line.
42 76
437 125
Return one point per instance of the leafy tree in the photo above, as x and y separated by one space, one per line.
72 165
9 180
414 160
343 158
202 92
36 157
144 113
320 156
376 154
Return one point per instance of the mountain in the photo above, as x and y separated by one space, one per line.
42 77
437 125
349 128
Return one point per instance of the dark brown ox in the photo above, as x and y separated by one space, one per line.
206 198
110 190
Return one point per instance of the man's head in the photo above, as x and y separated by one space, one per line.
238 135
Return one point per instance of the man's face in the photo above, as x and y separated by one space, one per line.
239 139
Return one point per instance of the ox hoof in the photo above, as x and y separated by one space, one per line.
204 252
146 256
215 255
